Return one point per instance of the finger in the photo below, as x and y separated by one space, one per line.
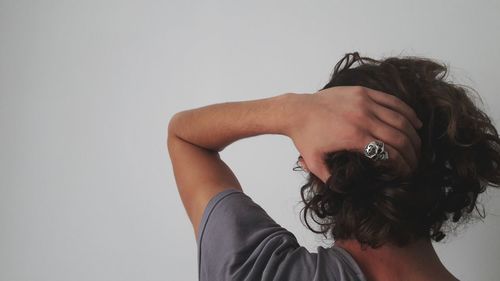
318 167
395 104
395 161
399 122
395 138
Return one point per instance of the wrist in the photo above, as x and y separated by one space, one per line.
294 111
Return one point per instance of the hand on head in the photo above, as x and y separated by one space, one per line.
350 117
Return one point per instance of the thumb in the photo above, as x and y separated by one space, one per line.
320 169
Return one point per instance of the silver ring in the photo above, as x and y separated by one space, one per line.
375 150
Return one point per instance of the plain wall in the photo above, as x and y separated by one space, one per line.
87 89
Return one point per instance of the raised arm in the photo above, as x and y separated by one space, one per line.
338 118
196 136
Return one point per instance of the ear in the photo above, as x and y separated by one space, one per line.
303 164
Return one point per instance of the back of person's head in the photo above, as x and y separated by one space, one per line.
460 157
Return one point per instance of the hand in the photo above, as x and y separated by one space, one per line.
348 118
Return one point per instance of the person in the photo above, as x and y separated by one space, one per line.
392 152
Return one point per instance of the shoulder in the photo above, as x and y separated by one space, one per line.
238 240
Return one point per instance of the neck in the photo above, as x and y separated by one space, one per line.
414 262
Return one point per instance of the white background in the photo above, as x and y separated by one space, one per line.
87 89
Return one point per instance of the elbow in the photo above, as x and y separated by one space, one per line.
172 124
171 128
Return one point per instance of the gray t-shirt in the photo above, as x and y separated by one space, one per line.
237 240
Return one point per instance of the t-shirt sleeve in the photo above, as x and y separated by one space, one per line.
237 240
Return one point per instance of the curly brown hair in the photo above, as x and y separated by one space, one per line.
460 150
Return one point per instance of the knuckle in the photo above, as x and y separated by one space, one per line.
358 97
362 106
357 133
394 99
400 121
400 140
360 90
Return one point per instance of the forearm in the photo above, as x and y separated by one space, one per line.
216 126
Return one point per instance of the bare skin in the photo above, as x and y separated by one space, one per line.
349 117
415 262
